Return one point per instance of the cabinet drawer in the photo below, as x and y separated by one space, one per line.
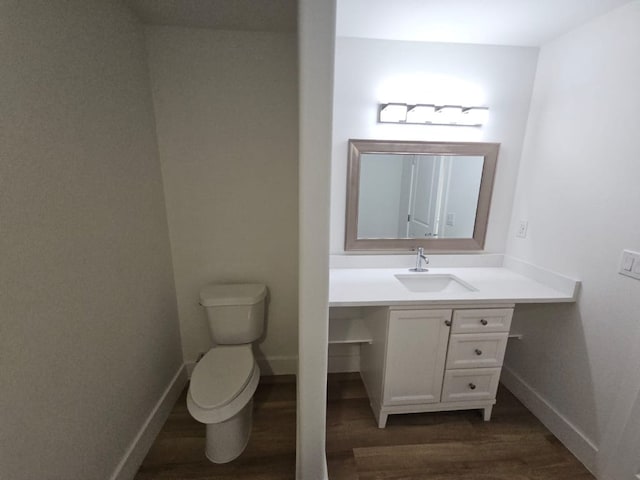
476 350
484 320
472 384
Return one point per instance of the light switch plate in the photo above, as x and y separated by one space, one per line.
451 219
630 264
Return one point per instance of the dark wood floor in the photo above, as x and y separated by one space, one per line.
431 446
178 452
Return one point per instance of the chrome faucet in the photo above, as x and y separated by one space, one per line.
420 256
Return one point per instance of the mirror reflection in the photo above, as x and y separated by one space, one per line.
402 195
418 196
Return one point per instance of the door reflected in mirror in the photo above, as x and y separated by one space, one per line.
402 195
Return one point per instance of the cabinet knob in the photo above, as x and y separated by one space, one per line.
483 321
478 351
447 323
472 386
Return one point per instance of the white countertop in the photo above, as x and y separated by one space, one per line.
350 287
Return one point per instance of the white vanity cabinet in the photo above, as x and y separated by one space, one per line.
430 359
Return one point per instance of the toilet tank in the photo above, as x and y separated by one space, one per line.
235 312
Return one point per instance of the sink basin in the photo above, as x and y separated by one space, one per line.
434 282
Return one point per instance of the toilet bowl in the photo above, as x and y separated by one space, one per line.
221 396
224 380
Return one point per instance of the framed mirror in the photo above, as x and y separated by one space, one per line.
402 195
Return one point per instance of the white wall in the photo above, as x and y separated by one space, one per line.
89 334
226 114
316 32
368 72
462 196
379 209
578 188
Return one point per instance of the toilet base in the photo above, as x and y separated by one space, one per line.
227 440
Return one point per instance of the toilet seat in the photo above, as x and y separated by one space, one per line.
222 383
221 375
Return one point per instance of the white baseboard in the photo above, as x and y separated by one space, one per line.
570 435
280 365
289 365
147 434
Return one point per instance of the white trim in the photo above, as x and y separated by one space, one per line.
149 430
190 366
277 365
571 436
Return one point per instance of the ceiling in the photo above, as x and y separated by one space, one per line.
252 15
494 22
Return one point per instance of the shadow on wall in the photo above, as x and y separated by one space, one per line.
553 360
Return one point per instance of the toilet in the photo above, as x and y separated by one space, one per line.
224 380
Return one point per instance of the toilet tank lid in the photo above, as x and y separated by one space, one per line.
216 294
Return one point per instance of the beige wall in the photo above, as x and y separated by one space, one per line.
226 113
89 335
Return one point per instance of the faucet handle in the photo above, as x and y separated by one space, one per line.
419 258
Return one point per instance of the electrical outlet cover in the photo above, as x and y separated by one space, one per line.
522 229
630 264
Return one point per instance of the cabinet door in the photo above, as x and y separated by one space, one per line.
416 353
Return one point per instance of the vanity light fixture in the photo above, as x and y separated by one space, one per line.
475 115
448 115
420 114
393 113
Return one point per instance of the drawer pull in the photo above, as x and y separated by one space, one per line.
483 321
472 386
447 323
478 351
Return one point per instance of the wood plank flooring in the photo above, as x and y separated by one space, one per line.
433 446
178 452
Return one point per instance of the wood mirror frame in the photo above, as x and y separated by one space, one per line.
359 147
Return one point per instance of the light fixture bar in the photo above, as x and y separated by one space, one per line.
428 114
